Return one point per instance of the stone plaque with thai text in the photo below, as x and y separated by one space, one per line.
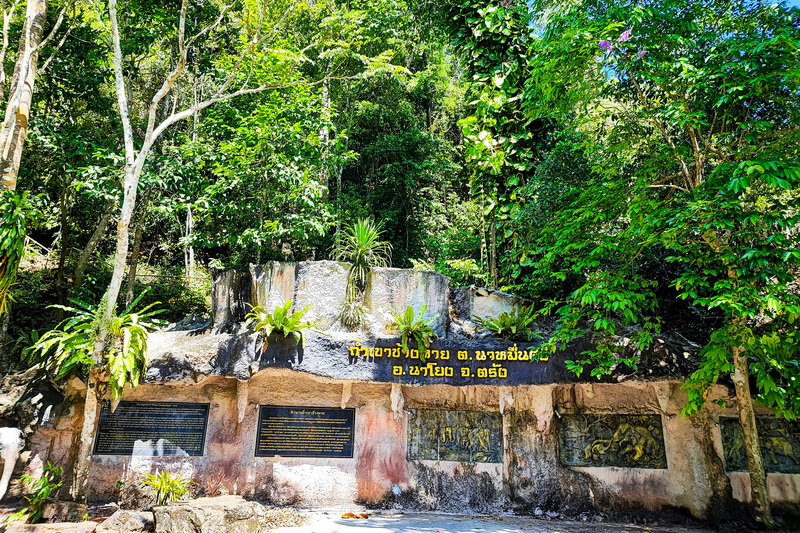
501 363
630 441
304 432
466 436
152 428
780 445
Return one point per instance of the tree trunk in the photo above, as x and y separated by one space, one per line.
188 254
62 256
130 183
15 123
493 252
752 445
79 489
134 164
88 250
135 253
5 339
8 15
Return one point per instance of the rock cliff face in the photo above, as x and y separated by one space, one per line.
321 284
231 350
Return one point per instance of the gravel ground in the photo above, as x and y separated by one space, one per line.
285 518
291 520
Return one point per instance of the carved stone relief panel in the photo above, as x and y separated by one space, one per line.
632 441
780 445
468 436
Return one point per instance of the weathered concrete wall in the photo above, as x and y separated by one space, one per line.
529 479
322 285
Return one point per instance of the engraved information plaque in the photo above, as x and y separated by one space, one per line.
780 445
467 436
152 428
630 441
305 432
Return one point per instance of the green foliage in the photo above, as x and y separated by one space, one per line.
268 159
168 488
178 297
13 211
501 141
415 328
281 321
40 491
513 326
686 115
353 313
359 244
68 348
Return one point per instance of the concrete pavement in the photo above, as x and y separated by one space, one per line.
332 522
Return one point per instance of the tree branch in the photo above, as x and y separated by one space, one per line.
60 42
122 97
7 16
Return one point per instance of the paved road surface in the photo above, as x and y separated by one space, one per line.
434 523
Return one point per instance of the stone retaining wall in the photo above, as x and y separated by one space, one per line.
478 428
530 476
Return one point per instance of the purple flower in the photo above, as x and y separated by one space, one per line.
606 45
625 36
641 54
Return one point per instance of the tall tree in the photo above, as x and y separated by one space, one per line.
14 128
260 58
501 140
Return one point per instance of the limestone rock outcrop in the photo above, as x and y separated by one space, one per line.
210 515
124 521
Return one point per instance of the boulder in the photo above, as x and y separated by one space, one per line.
210 515
128 522
58 511
28 399
136 497
231 297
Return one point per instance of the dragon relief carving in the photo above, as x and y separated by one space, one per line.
634 441
780 445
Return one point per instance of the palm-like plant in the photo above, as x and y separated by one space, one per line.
512 326
415 328
360 245
69 346
168 488
281 321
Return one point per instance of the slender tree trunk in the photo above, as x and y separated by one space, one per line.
80 486
5 340
188 255
62 257
339 170
88 250
135 252
133 264
107 309
8 14
18 108
134 164
493 252
752 445
325 134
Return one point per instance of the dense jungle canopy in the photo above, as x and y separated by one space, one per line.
627 166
